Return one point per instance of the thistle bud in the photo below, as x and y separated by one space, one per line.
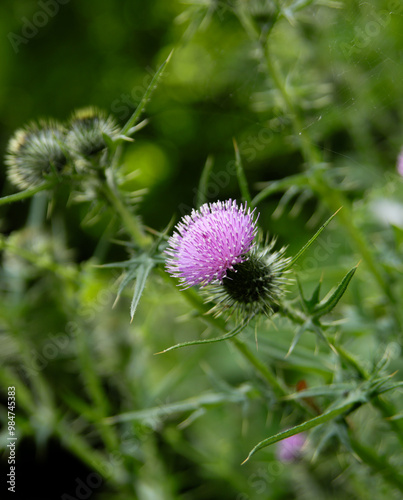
254 286
35 153
85 137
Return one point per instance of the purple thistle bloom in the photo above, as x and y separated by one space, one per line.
400 163
289 449
209 242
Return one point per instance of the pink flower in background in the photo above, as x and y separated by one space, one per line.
290 449
399 165
210 242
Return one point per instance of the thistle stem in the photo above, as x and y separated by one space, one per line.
130 221
379 464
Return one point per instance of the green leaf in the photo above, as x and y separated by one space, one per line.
295 340
229 335
309 424
311 303
240 173
300 180
309 243
136 115
390 387
322 390
131 275
141 278
328 304
237 395
204 179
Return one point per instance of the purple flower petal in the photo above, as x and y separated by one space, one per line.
400 163
289 449
209 242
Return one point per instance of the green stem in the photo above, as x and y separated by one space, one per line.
310 153
28 193
95 390
263 370
93 458
331 196
131 222
385 407
379 464
278 388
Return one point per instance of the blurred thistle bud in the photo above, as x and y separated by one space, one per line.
399 165
291 449
85 136
35 154
263 12
216 246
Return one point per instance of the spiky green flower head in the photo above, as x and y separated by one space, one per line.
253 287
85 137
35 154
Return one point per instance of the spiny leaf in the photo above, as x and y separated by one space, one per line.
240 173
203 184
164 410
228 335
300 180
311 303
131 275
322 390
328 304
136 115
309 424
309 243
295 340
141 278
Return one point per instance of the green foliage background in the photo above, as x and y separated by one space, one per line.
342 67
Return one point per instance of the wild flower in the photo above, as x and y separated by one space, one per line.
217 246
399 165
290 449
210 242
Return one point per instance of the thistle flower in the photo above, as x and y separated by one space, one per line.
216 246
34 153
399 165
210 242
85 137
290 449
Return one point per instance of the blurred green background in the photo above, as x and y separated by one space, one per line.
343 67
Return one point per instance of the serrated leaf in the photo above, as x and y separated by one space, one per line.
309 424
141 278
240 173
309 243
204 179
328 304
